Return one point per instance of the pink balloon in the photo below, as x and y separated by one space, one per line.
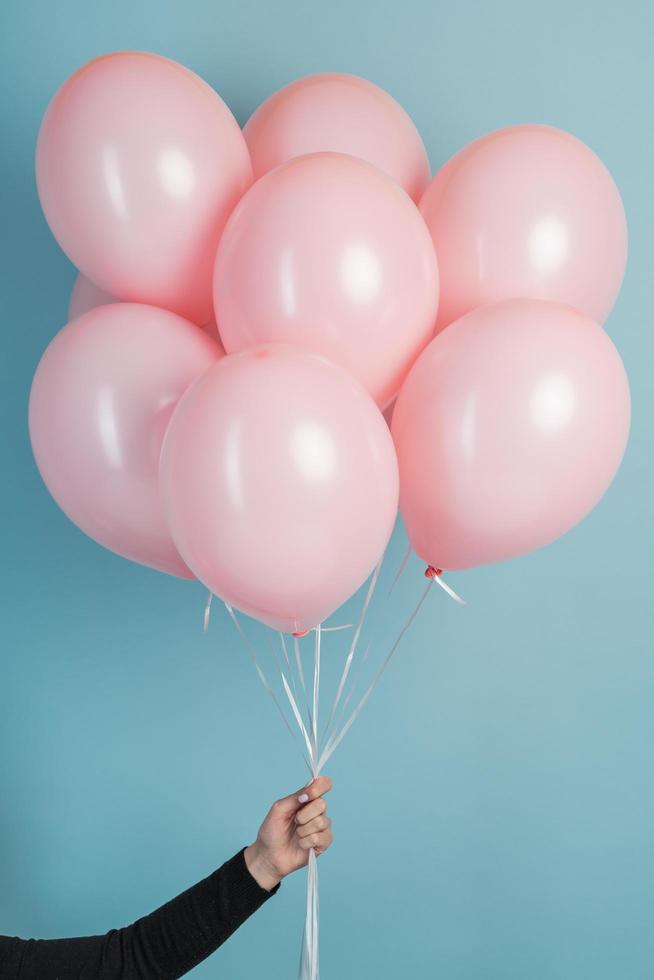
101 398
341 113
139 163
508 430
86 296
526 211
328 253
279 480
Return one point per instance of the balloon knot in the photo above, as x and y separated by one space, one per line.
431 572
300 634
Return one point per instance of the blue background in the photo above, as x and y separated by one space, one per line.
493 808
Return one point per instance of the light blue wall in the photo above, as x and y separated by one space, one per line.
494 808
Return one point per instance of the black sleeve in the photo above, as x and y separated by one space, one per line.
162 946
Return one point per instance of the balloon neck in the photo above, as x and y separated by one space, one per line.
300 634
431 572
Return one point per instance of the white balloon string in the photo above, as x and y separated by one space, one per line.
309 968
449 590
437 574
207 612
315 759
315 969
308 922
309 964
298 717
262 677
400 569
276 658
282 643
353 645
300 670
353 686
316 686
335 739
291 674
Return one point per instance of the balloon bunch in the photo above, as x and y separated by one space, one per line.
249 302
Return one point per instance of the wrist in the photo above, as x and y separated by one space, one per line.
260 868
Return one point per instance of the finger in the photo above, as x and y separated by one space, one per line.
310 810
315 826
321 849
320 841
288 805
317 787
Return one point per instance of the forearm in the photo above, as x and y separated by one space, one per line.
182 933
161 946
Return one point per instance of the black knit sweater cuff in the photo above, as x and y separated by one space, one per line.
245 892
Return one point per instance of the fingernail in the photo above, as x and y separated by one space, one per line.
303 798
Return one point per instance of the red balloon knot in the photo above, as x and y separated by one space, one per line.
300 634
431 572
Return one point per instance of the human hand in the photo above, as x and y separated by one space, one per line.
292 826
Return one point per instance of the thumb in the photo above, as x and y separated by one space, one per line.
289 805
